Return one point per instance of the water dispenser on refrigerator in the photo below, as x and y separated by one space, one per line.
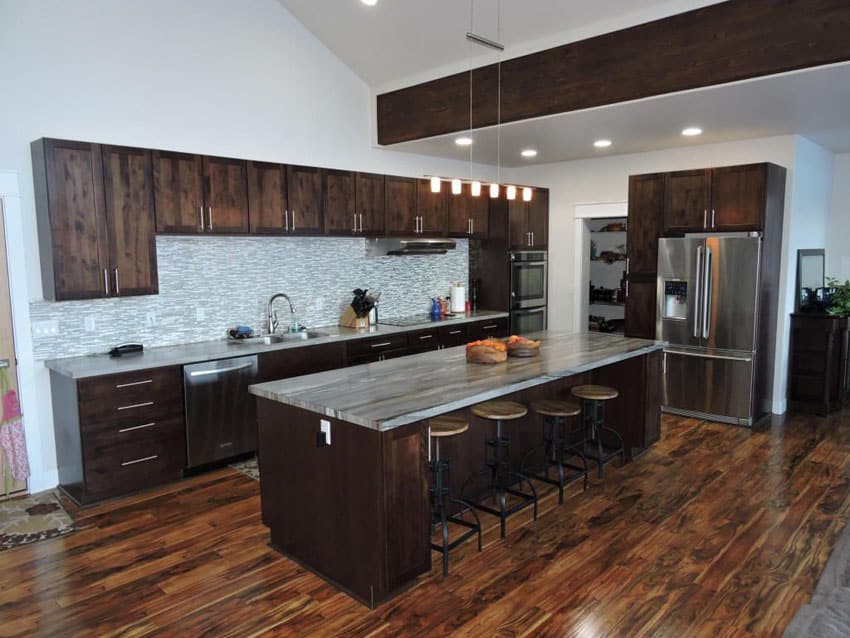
676 300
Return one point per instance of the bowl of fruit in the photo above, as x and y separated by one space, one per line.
521 347
487 351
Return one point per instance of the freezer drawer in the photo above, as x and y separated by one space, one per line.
713 386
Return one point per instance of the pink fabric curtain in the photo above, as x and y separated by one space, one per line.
12 437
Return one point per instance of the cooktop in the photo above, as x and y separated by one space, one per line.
414 320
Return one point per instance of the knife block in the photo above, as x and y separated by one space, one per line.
351 320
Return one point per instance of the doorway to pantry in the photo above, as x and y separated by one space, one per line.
606 268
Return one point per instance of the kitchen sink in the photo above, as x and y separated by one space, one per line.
268 340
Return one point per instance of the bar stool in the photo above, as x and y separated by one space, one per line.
558 444
593 398
502 477
441 490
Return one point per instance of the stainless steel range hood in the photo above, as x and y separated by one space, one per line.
400 247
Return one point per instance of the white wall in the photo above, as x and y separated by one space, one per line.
838 247
605 179
241 79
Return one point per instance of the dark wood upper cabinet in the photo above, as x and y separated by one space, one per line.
226 195
306 194
401 205
131 227
468 215
645 222
371 203
178 192
687 201
266 198
538 217
517 223
432 208
738 195
340 203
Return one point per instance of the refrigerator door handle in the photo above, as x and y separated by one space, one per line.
706 294
697 291
700 355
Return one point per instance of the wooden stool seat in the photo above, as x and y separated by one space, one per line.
553 407
594 392
447 426
500 410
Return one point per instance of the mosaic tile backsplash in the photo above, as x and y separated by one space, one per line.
228 282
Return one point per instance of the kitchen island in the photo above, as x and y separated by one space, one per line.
351 503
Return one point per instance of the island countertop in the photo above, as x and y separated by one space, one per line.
389 394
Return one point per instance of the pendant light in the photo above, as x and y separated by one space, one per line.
511 192
456 187
476 188
526 194
435 184
494 190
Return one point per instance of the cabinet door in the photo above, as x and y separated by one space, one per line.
340 208
293 362
370 201
401 205
480 211
178 192
431 208
460 213
266 198
640 307
226 182
738 197
518 224
538 217
73 219
306 199
686 201
130 220
645 222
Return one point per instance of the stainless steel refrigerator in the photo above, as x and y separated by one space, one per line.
710 293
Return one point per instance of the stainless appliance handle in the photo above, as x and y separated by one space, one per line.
354 228
697 291
724 357
135 405
293 220
713 217
361 222
424 337
117 287
704 218
204 373
286 220
138 427
209 214
128 385
706 294
381 345
455 332
142 460
531 263
490 327
106 281
201 210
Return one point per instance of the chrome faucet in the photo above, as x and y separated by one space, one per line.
271 315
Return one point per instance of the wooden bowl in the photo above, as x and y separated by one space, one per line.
485 354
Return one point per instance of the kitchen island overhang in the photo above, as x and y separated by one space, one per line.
356 510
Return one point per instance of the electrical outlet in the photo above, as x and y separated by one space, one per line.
89 324
318 305
150 319
325 428
48 328
200 314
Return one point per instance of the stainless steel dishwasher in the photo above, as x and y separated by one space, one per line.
221 417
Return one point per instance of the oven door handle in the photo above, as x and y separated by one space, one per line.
520 264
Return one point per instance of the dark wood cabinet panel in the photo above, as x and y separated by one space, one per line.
488 328
818 374
687 200
293 362
130 220
340 203
645 222
431 208
538 218
451 336
266 197
226 188
459 222
68 179
640 307
738 195
401 205
480 211
371 203
178 192
518 224
305 190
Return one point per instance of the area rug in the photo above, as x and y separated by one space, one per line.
249 468
31 519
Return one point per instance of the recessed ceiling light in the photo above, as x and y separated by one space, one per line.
529 152
463 141
692 131
602 143
370 3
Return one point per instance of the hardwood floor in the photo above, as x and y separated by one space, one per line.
717 531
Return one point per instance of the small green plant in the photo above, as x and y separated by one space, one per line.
841 297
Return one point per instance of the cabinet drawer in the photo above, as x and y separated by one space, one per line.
128 429
489 328
451 336
423 338
376 345
150 394
117 463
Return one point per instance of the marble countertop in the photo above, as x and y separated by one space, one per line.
392 393
99 364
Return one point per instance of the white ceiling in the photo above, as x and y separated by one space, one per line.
401 42
812 103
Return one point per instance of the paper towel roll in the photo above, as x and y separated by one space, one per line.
458 298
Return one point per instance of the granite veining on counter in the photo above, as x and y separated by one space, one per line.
100 364
393 393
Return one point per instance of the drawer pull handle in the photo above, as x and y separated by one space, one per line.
490 327
142 460
137 427
381 345
135 405
455 332
129 385
423 337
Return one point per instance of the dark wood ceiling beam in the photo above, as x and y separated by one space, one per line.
717 44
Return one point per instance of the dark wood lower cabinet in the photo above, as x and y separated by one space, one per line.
640 307
819 365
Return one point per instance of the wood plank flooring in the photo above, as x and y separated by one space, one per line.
717 531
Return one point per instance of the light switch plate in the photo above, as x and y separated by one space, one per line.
200 314
88 324
325 426
49 328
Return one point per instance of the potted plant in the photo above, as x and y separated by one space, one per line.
840 298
